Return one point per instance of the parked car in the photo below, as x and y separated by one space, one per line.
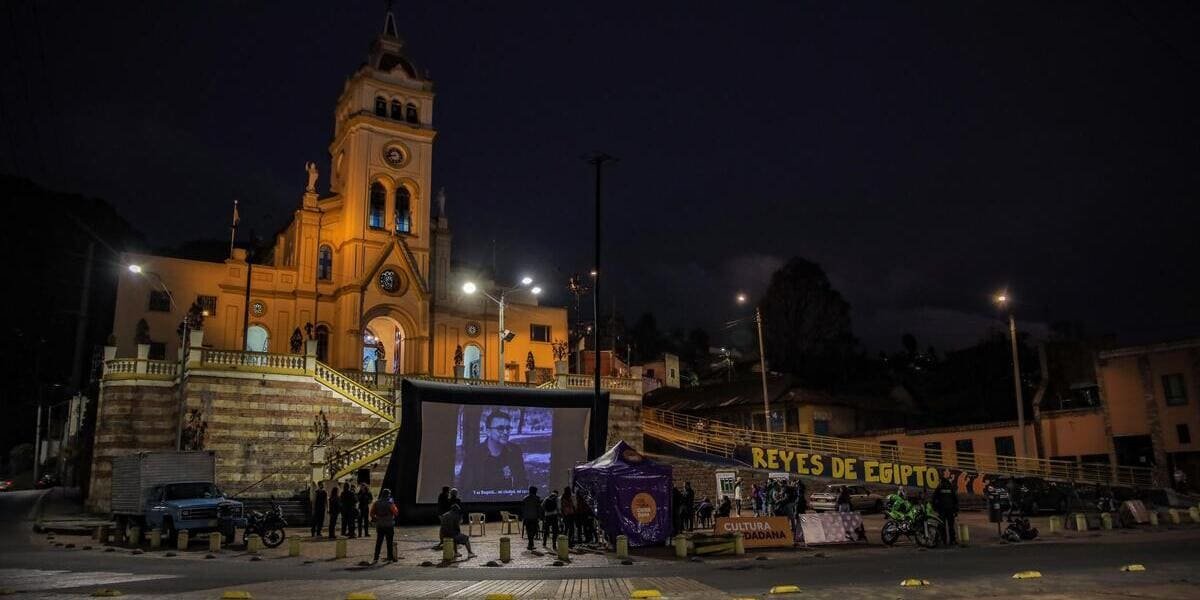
1029 495
5 485
861 499
46 481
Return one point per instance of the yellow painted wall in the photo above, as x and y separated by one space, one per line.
1074 434
1123 392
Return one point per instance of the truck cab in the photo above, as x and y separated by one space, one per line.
195 506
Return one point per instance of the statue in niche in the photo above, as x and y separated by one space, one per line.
311 167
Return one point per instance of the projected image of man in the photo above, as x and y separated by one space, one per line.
496 465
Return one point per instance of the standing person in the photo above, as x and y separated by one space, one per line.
584 520
384 512
756 499
550 518
567 508
335 509
843 499
689 506
737 496
451 528
723 510
364 509
453 500
318 510
443 501
801 497
676 510
531 512
349 508
945 504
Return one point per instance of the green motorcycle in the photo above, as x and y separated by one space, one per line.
917 521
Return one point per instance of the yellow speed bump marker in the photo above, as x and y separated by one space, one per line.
1027 575
499 597
1133 568
646 594
236 595
785 589
360 596
106 593
914 582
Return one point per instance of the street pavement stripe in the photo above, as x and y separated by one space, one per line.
28 580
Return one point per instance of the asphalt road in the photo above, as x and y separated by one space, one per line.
1070 569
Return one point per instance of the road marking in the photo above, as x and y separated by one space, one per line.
32 580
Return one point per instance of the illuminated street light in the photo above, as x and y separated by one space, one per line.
526 280
469 288
1003 301
536 290
136 269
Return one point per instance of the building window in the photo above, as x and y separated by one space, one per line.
403 210
325 263
539 333
380 106
1185 436
410 113
1174 389
207 304
396 112
821 426
650 373
160 301
158 351
378 202
965 450
1006 448
322 335
933 452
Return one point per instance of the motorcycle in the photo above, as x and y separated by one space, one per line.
917 521
269 526
1019 530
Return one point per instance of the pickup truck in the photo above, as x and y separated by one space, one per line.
172 492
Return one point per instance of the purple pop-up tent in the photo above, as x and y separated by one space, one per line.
630 494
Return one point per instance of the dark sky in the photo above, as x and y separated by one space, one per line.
924 153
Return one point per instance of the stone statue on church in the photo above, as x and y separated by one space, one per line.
311 167
441 200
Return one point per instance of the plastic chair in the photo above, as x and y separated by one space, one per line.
474 519
507 520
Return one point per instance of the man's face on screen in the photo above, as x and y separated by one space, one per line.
499 429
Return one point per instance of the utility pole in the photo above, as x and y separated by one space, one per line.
597 159
37 440
762 366
1012 332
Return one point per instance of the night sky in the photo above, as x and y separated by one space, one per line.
926 154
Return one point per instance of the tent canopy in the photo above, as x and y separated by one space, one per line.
630 494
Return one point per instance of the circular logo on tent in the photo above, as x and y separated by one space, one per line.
643 507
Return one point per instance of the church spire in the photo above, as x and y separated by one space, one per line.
389 22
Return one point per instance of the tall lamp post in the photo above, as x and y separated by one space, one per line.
1005 302
762 362
185 329
501 301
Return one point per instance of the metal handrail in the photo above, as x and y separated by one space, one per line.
236 359
367 451
355 391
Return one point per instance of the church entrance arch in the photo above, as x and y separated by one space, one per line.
472 362
388 344
257 339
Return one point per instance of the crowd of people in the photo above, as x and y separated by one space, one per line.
359 510
569 514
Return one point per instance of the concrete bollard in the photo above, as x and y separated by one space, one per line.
1154 518
680 547
339 551
214 541
1174 515
1106 521
1055 524
96 533
1194 513
622 546
1080 521
254 544
739 543
155 539
135 536
448 550
505 549
964 534
181 540
563 547
102 534
395 550
294 546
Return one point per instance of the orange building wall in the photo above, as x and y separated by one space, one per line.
1122 385
1180 362
984 439
1077 433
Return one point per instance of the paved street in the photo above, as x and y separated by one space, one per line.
1073 566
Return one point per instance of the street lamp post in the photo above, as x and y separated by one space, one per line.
505 335
762 363
1004 301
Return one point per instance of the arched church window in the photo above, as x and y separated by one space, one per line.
396 110
403 210
381 106
378 201
410 113
322 336
325 263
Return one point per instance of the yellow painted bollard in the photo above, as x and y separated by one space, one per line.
155 539
1174 514
1081 521
135 536
294 546
505 549
181 540
739 543
564 550
622 546
680 547
254 544
964 534
447 550
339 551
1194 513
1106 520
1055 524
1154 518
214 541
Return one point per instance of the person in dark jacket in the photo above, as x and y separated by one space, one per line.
676 510
364 509
451 528
318 510
349 509
843 500
945 504
567 509
531 512
335 509
384 512
689 506
443 502
550 517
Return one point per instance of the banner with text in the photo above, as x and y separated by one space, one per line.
758 532
844 468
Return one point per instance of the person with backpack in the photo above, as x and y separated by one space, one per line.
383 512
531 512
550 518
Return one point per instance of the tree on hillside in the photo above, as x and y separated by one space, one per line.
806 324
646 339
